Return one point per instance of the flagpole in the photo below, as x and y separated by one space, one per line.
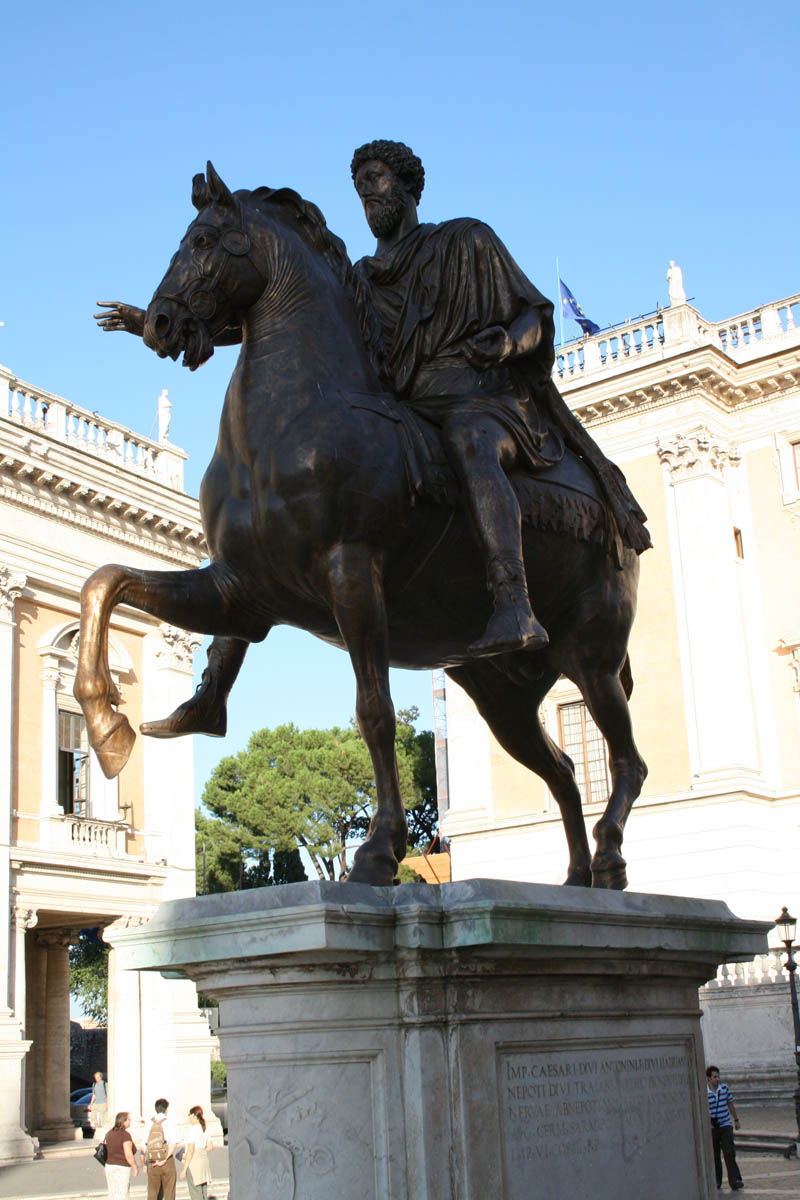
560 305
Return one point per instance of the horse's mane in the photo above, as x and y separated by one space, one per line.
307 221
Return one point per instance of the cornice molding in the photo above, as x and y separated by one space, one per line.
167 538
730 386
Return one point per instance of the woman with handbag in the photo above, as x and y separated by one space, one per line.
120 1160
196 1168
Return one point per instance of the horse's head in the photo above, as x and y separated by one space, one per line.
211 281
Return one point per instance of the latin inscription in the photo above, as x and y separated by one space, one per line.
594 1110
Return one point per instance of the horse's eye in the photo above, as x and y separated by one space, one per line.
202 242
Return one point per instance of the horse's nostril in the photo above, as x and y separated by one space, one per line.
161 325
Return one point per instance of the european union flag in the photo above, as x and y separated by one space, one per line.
571 308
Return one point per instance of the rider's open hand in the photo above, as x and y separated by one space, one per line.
488 348
120 316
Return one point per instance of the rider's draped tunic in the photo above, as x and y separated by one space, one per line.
441 285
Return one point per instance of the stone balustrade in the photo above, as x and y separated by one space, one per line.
88 835
45 413
676 329
764 968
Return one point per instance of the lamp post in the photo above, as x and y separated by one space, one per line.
786 925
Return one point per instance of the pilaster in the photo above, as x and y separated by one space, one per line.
718 688
54 1123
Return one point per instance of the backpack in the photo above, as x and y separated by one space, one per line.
155 1149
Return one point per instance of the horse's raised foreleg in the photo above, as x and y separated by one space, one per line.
206 711
355 587
511 710
606 699
190 599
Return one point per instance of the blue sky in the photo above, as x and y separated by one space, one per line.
614 136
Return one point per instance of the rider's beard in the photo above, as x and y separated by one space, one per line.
384 216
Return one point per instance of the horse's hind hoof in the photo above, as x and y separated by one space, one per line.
378 870
613 878
578 877
115 749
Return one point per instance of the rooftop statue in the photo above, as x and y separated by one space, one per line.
397 474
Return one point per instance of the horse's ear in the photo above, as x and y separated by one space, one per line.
220 192
200 196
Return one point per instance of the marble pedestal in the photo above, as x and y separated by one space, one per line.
476 1040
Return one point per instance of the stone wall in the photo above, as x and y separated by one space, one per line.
87 1051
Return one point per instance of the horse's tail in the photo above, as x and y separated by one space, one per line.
626 677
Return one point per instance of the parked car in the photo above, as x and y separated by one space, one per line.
79 1102
219 1105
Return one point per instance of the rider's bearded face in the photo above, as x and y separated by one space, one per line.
383 196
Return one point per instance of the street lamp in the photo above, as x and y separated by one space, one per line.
786 925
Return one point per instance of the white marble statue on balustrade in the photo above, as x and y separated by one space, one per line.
677 292
164 416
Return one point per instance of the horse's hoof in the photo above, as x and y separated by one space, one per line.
578 877
613 878
115 749
376 869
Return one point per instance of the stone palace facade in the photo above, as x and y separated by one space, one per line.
704 419
78 851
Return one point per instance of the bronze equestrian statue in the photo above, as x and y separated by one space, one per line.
391 442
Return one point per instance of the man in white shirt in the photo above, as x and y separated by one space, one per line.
158 1154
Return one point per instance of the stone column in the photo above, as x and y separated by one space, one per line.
56 1124
125 1051
15 1145
12 584
159 1042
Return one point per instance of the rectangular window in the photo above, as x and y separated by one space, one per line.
796 461
73 764
583 742
737 539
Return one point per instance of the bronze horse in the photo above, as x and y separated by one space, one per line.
310 521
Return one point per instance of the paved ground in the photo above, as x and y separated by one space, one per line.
77 1176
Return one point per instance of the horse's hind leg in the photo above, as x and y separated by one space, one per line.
206 711
607 701
511 710
191 599
355 586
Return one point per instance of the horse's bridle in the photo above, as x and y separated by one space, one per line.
198 295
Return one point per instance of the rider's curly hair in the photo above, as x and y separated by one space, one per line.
399 157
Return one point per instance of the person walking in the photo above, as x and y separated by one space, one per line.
98 1108
121 1162
721 1109
159 1151
196 1168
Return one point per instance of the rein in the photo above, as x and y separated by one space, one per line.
198 295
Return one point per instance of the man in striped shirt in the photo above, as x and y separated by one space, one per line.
721 1108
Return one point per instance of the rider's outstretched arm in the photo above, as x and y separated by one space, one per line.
129 318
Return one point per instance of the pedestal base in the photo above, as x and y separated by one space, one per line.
16 1146
479 1039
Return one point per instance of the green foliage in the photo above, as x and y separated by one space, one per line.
405 874
219 1073
304 788
88 975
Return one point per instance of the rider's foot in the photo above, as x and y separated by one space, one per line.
511 627
203 713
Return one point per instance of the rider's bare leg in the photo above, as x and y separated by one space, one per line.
205 711
480 452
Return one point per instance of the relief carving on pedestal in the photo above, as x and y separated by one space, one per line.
689 456
265 1165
